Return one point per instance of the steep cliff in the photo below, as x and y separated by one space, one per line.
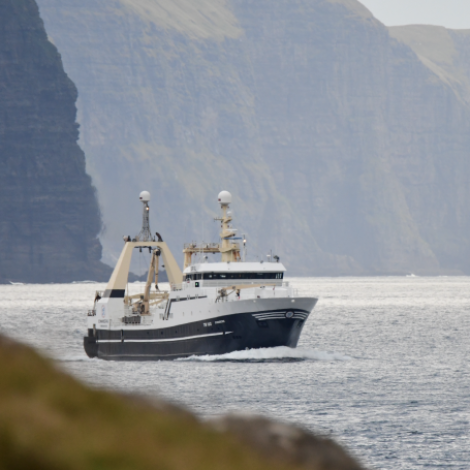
49 216
344 149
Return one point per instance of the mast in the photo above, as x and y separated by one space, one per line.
145 235
230 251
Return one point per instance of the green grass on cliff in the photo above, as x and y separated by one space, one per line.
48 420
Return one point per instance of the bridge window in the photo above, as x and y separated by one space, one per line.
242 276
232 276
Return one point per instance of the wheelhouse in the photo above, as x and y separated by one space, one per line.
220 274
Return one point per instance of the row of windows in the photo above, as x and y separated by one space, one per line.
222 276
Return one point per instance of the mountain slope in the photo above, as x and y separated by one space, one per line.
345 152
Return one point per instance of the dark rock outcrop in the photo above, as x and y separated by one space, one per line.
281 442
346 148
49 216
48 420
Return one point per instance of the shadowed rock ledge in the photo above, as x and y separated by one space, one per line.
285 443
49 420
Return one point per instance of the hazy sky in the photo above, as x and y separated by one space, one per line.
453 14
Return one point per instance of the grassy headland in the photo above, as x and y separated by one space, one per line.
49 420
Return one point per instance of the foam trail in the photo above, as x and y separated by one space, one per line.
73 358
277 354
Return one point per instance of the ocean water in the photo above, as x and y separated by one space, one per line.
382 365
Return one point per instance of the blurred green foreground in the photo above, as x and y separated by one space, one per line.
49 420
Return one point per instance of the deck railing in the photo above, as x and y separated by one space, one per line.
243 282
230 282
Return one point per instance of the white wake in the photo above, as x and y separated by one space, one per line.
73 358
278 354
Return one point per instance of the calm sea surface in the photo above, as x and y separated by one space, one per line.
382 365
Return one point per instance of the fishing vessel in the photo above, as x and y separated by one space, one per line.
210 307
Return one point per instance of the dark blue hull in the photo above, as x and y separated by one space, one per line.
225 334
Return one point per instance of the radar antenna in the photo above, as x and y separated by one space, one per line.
145 235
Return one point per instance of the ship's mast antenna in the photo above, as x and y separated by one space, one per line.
145 235
230 251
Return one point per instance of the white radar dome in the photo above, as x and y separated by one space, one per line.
144 196
225 198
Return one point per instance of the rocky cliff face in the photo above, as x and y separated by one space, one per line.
49 217
345 148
